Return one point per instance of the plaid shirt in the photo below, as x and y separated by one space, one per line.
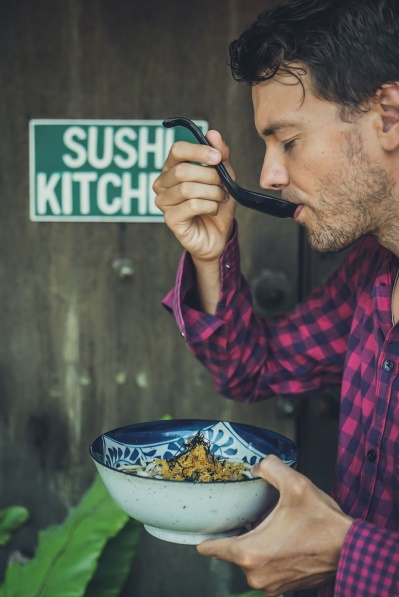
341 335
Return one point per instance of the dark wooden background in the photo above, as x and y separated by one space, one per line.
82 350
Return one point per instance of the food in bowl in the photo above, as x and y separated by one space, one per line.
194 463
189 512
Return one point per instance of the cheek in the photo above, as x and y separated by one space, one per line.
305 171
317 168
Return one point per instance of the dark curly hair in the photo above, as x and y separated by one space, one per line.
350 48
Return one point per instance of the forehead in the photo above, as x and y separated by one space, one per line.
284 99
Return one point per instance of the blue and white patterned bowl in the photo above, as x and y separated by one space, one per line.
186 511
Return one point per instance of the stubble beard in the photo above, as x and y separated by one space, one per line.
349 203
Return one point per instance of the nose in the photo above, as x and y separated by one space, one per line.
274 175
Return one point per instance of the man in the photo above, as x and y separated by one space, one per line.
324 77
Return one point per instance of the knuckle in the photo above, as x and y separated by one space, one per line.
185 189
159 203
180 171
195 205
247 560
300 486
156 186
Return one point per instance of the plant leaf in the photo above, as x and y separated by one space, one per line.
10 520
67 555
115 562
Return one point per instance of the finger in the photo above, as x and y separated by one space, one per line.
181 151
185 212
187 172
276 472
188 191
221 549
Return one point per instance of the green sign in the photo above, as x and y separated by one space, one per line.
98 170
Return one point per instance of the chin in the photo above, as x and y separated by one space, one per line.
330 240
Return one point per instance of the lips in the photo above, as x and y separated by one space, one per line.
297 212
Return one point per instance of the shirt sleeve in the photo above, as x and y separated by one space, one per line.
369 562
251 358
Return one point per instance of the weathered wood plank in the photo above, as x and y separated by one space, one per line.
83 350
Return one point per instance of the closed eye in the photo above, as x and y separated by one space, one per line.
289 145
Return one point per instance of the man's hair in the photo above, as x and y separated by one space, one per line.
349 48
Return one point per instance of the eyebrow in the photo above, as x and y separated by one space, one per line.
277 126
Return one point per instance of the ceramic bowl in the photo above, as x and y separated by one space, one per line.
187 511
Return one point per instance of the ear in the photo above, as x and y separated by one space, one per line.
388 109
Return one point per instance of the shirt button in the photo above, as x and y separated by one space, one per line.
388 365
372 455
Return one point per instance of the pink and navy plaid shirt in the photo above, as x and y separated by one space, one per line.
341 335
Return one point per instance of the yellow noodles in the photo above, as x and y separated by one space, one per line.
199 465
195 463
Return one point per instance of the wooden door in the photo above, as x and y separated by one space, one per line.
83 349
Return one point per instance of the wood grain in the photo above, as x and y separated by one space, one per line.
82 350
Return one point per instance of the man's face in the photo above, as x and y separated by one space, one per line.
331 169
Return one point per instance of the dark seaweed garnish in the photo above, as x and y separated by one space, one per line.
189 445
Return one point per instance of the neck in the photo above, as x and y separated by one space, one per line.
387 230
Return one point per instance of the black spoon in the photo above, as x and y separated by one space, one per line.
257 201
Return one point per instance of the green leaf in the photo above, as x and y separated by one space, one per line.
115 562
10 520
67 555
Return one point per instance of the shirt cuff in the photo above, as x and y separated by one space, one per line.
194 325
369 562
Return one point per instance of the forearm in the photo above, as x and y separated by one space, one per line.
208 284
249 358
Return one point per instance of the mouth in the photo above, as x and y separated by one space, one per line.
295 201
297 212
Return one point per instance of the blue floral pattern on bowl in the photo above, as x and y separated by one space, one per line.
137 444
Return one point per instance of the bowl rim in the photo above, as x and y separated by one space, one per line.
275 434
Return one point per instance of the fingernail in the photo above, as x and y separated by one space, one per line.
214 156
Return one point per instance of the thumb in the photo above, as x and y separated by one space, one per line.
275 471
